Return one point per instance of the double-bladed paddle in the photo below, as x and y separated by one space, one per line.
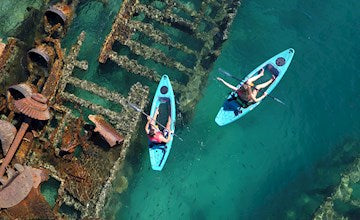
139 110
242 81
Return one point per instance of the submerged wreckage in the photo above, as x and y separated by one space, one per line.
44 127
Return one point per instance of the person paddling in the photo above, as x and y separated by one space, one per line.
155 135
248 91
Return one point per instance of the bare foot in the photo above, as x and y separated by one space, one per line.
261 72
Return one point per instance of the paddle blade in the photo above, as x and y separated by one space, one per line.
278 100
229 74
224 72
134 107
179 137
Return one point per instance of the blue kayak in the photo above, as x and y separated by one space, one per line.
232 110
164 97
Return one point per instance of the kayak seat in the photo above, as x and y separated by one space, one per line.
272 69
234 104
164 99
161 146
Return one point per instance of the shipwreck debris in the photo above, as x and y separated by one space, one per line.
2 46
109 133
20 91
22 196
7 135
58 17
36 109
209 30
11 70
43 56
86 179
16 189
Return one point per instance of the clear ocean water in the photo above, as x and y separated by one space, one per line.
264 166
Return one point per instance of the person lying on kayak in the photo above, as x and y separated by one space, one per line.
248 91
155 135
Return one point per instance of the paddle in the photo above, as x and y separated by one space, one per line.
242 81
139 110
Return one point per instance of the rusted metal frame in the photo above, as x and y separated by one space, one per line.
207 47
11 152
115 118
8 50
192 12
221 13
83 64
97 90
138 95
6 54
159 36
157 16
52 82
125 13
71 201
24 148
201 14
58 132
215 2
70 61
156 55
134 67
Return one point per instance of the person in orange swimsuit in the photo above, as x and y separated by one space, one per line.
248 91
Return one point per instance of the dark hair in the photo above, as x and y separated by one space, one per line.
151 132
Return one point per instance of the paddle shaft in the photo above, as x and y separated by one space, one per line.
144 113
243 81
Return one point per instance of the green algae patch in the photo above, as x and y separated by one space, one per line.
49 190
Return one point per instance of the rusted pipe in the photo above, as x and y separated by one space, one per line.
10 154
43 56
33 107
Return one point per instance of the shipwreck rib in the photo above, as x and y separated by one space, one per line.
168 19
136 96
119 27
156 55
71 62
98 109
98 90
159 36
134 67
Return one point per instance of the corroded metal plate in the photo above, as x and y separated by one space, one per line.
17 189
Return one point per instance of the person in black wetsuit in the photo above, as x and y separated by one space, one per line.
248 91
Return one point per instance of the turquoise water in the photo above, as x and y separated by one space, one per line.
251 169
263 165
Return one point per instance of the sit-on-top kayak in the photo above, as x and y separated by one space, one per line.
232 110
164 95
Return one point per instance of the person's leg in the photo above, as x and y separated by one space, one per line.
264 85
168 124
255 92
155 116
166 131
256 77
